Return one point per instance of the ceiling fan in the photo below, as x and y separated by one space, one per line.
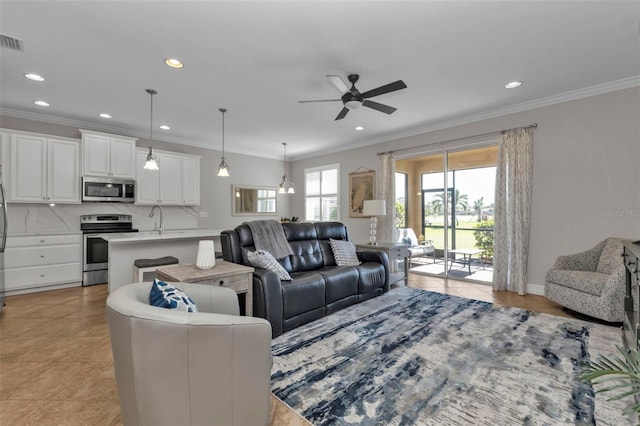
352 98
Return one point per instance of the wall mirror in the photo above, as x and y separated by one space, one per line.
253 200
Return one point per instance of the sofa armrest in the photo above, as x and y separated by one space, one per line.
583 261
267 298
378 257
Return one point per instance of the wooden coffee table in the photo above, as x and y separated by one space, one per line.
224 274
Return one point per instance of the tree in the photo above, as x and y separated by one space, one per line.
461 203
400 215
477 207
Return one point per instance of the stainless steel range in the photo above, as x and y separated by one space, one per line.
95 253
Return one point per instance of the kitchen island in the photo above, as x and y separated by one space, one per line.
126 247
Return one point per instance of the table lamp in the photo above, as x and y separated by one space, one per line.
374 208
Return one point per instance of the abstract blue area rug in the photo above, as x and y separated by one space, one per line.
414 357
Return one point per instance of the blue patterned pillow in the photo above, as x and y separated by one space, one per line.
164 295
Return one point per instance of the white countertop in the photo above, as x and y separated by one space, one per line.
39 233
173 234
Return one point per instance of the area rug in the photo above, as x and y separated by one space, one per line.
413 357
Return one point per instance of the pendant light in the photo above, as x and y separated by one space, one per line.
286 187
152 161
223 168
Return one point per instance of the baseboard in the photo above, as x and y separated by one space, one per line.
535 289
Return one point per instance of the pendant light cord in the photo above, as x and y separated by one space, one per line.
151 92
222 110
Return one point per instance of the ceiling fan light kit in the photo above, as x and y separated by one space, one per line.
352 98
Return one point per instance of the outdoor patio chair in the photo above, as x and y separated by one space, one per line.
416 249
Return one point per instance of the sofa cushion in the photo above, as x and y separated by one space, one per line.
372 276
263 259
585 281
307 255
611 257
165 295
344 252
303 293
340 282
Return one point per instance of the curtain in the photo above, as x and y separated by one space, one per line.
387 192
512 218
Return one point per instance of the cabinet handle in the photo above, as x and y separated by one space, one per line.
42 256
41 275
221 283
42 241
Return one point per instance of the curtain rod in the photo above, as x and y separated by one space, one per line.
533 125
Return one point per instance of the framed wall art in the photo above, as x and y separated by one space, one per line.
361 188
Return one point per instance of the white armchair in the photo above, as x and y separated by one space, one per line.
212 367
416 249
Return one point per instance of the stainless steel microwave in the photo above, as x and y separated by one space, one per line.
108 190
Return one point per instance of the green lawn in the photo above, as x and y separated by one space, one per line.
464 237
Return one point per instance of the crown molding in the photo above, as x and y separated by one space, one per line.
599 89
586 92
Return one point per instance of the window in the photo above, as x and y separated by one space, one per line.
322 192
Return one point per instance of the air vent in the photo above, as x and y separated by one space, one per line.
10 42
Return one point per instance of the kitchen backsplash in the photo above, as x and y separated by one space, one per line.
43 218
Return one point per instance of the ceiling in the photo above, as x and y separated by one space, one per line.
259 58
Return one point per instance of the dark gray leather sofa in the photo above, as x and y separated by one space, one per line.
318 286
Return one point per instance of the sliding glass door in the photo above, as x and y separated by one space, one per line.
454 192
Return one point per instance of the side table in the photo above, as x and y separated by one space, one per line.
396 252
224 274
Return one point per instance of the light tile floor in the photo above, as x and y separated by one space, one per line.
56 366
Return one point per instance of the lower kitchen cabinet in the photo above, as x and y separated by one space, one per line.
41 261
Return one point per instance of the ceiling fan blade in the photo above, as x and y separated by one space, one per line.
339 83
320 100
379 107
342 113
391 87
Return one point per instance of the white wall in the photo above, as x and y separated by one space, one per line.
586 179
215 192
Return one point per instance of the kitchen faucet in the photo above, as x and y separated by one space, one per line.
161 229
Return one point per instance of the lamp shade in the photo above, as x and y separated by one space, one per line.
374 208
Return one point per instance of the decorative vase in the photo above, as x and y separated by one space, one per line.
206 258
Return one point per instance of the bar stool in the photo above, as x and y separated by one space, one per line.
148 266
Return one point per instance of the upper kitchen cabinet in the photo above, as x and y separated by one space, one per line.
108 155
176 183
42 169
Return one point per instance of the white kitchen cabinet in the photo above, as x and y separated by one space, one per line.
108 155
190 180
176 183
43 169
42 261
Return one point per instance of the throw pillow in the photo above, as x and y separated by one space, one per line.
165 295
265 260
344 252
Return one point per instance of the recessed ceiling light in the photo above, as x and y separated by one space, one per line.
359 128
104 115
165 127
41 103
34 77
513 85
174 63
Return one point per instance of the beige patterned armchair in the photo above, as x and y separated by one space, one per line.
591 282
